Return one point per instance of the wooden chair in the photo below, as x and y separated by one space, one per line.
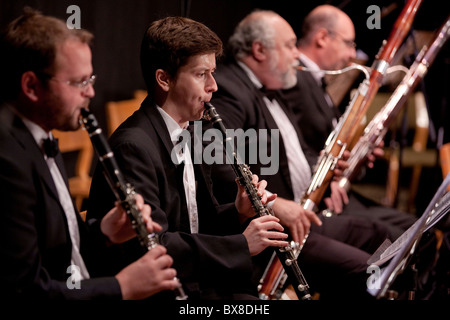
415 156
78 142
140 95
118 111
444 155
83 215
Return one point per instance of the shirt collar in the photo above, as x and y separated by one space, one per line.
36 131
173 127
251 75
317 74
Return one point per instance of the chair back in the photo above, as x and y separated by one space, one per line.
118 111
79 143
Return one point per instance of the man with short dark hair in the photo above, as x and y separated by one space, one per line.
211 245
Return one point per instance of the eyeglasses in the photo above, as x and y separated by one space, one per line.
348 43
79 84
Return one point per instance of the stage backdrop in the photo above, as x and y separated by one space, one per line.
118 26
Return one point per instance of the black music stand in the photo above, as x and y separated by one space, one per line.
402 250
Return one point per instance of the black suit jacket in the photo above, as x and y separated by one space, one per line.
35 244
215 258
314 116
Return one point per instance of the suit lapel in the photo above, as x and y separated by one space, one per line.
60 163
158 124
245 80
268 119
317 94
24 137
270 122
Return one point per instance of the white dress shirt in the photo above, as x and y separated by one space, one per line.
64 198
183 153
300 172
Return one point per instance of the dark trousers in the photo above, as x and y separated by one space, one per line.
394 220
334 258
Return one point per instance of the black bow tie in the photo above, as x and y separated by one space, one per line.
270 94
51 148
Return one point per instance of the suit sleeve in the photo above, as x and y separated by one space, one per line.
23 271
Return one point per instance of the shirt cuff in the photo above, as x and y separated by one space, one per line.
270 203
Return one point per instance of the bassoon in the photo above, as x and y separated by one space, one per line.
122 190
286 255
347 127
377 128
345 132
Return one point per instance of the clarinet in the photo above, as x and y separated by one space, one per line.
286 255
123 191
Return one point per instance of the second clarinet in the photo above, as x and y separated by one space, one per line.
123 191
286 255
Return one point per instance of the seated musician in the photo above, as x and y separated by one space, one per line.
211 245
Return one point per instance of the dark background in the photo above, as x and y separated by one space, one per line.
118 26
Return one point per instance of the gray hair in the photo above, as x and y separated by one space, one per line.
254 27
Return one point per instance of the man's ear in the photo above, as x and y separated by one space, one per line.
162 79
321 37
259 51
30 85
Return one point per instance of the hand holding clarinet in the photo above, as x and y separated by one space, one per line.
137 214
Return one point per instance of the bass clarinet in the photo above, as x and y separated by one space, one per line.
286 255
376 129
347 131
123 191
